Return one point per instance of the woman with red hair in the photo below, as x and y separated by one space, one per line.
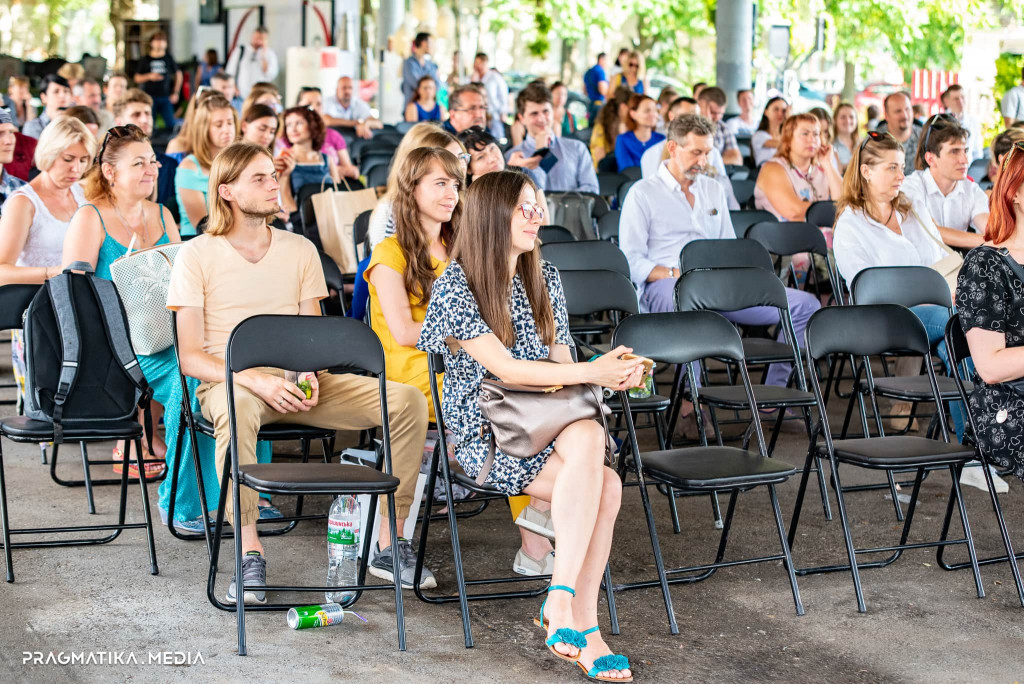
990 299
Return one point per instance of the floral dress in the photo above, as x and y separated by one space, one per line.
991 297
453 312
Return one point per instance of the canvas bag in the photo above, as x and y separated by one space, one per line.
142 279
336 214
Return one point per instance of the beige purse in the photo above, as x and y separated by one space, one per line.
949 265
142 279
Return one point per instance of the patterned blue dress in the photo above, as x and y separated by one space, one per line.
161 371
453 312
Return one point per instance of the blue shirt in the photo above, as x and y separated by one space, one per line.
165 185
594 76
413 71
629 150
8 184
574 170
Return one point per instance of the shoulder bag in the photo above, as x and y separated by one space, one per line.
142 279
949 265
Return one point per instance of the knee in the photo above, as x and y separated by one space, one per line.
611 492
407 402
582 445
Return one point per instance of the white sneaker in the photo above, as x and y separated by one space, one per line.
538 522
531 567
972 476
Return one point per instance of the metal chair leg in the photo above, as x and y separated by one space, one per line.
847 537
87 478
5 521
153 568
788 563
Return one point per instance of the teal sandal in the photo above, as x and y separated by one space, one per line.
564 635
606 663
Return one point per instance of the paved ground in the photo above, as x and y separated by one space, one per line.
922 625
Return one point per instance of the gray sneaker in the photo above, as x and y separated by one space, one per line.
382 566
254 574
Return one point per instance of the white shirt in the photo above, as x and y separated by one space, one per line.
651 160
740 126
957 210
357 109
861 242
975 145
497 93
761 153
657 221
246 65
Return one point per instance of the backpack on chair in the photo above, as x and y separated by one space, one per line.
80 365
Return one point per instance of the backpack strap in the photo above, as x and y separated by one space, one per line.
59 288
117 333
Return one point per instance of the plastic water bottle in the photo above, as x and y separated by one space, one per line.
342 547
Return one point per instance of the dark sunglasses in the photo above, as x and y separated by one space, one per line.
872 135
126 131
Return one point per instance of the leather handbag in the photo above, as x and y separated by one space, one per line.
142 279
523 420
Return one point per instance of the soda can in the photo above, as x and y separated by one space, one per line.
306 617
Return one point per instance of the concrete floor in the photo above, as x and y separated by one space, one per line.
922 624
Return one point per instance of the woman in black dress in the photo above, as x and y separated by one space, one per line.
990 299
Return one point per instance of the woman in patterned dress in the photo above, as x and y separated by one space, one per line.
483 323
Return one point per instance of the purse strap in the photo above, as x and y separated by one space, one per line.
1014 266
942 245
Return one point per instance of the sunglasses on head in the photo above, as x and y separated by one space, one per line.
938 121
1019 145
871 135
126 131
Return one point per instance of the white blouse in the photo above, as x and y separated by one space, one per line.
861 242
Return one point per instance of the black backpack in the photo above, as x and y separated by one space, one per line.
81 367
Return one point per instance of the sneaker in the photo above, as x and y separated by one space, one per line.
972 476
531 567
254 574
194 526
270 512
538 522
382 566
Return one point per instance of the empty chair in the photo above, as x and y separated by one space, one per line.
550 234
744 192
608 183
632 172
623 190
742 219
736 172
791 238
586 255
608 226
822 214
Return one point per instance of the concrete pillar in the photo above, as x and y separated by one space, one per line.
734 26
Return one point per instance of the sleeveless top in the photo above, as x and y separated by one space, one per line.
45 243
111 250
810 187
305 174
423 115
189 179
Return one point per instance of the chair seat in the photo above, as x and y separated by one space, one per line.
24 428
470 483
316 478
757 350
272 431
650 404
897 451
918 387
714 467
767 395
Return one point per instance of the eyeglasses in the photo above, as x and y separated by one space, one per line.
939 121
478 108
464 157
634 65
531 210
126 131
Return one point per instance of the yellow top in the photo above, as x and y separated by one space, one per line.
407 365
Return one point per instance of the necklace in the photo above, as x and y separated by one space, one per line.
131 230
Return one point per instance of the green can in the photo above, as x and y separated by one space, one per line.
306 617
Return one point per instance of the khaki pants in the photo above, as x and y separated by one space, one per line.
346 402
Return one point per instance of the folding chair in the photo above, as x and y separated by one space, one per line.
681 338
19 303
377 175
586 255
632 172
550 234
620 194
195 424
742 219
865 331
608 226
14 300
335 281
304 342
483 492
792 238
821 213
744 192
609 182
959 354
737 172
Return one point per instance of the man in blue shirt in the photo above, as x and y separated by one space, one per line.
595 82
417 65
566 165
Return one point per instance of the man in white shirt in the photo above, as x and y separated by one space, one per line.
1012 104
497 94
955 102
715 168
664 213
940 183
253 64
345 110
746 123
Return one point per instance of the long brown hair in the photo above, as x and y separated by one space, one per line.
199 131
419 273
95 185
482 248
855 188
225 170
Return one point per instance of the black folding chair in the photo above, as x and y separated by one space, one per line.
870 331
681 338
14 300
737 172
586 255
335 281
302 342
195 425
439 462
550 234
744 192
620 194
742 219
377 175
608 183
959 355
632 172
821 213
792 238
608 226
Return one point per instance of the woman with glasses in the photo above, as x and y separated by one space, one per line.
632 75
499 309
424 105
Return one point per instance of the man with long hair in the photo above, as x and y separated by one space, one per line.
239 268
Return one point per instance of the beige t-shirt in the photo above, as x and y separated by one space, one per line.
209 273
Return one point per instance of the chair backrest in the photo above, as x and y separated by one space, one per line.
744 191
550 234
865 330
586 255
377 176
742 219
304 343
632 172
729 289
978 170
14 299
620 194
372 159
956 341
608 183
905 285
786 239
724 253
600 206
737 172
361 232
332 274
680 337
822 213
608 225
584 134
590 292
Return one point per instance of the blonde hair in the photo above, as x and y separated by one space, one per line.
258 91
424 134
226 169
61 134
855 191
199 128
183 139
71 71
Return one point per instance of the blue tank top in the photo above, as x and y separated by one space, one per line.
111 250
305 174
423 115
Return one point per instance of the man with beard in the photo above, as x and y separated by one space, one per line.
240 268
899 120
